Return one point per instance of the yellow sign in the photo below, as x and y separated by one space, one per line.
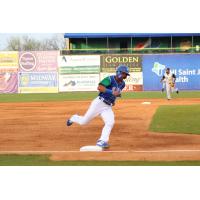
9 59
38 90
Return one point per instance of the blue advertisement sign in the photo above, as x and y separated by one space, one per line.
40 79
186 67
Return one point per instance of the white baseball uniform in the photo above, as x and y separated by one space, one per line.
168 79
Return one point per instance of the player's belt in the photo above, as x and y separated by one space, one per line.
106 102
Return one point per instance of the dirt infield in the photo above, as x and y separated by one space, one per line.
39 128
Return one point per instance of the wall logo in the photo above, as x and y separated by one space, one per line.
70 83
24 80
136 80
64 59
158 68
27 61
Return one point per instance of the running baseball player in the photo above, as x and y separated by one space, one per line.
109 89
168 80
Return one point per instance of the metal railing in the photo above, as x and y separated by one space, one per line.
131 51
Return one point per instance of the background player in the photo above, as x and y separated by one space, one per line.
168 81
109 89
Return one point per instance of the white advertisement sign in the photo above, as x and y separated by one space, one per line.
86 82
135 78
90 60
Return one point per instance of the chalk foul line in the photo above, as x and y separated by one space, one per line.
107 151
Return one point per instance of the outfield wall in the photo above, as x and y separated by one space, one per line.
50 72
186 67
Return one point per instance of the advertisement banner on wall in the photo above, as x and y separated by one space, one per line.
133 88
134 82
38 61
110 62
186 67
8 82
79 64
86 82
38 82
8 61
79 70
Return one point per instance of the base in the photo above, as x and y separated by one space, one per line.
91 148
146 103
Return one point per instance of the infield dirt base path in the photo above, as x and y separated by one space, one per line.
40 128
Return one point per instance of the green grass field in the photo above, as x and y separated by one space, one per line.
177 119
75 96
43 160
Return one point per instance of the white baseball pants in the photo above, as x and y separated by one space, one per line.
98 107
170 90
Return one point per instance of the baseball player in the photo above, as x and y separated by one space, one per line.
168 80
109 89
163 86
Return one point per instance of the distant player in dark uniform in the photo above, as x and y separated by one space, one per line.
109 89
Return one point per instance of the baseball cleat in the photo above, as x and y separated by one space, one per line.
102 144
69 122
162 90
